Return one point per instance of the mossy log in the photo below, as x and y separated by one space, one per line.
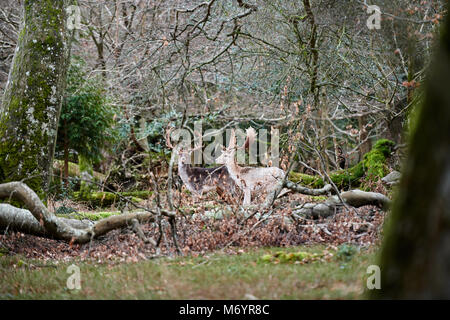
373 166
353 198
106 199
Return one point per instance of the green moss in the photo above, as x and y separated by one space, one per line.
375 161
18 153
346 252
290 257
319 198
306 179
373 166
31 100
349 177
105 199
144 194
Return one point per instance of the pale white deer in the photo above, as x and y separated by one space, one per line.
248 179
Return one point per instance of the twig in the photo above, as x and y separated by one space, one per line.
140 233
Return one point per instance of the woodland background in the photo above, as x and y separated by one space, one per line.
345 98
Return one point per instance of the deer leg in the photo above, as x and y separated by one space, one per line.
197 195
222 194
247 197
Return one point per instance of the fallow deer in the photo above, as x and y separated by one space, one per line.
250 180
203 180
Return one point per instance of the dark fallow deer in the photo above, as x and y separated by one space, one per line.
200 180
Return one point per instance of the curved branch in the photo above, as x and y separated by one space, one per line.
39 221
304 190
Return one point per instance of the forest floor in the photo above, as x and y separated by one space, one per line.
226 258
334 273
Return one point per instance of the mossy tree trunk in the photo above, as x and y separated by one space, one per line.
415 258
32 101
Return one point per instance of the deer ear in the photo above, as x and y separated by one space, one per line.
232 139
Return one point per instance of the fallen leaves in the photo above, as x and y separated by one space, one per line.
198 236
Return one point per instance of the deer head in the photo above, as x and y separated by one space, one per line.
184 155
183 152
228 154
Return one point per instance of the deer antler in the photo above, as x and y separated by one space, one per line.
168 142
251 136
232 144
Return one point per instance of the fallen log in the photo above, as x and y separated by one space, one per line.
304 190
37 220
353 198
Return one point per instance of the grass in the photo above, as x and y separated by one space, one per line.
213 276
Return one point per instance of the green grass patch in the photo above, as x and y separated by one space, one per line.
213 276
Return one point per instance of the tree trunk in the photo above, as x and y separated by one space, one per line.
415 259
32 102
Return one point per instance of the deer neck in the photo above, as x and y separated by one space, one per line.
184 170
234 170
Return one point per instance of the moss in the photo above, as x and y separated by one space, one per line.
412 113
306 179
373 166
375 160
105 199
32 98
93 216
349 177
319 198
86 166
291 257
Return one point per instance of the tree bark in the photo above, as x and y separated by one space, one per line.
415 258
32 102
